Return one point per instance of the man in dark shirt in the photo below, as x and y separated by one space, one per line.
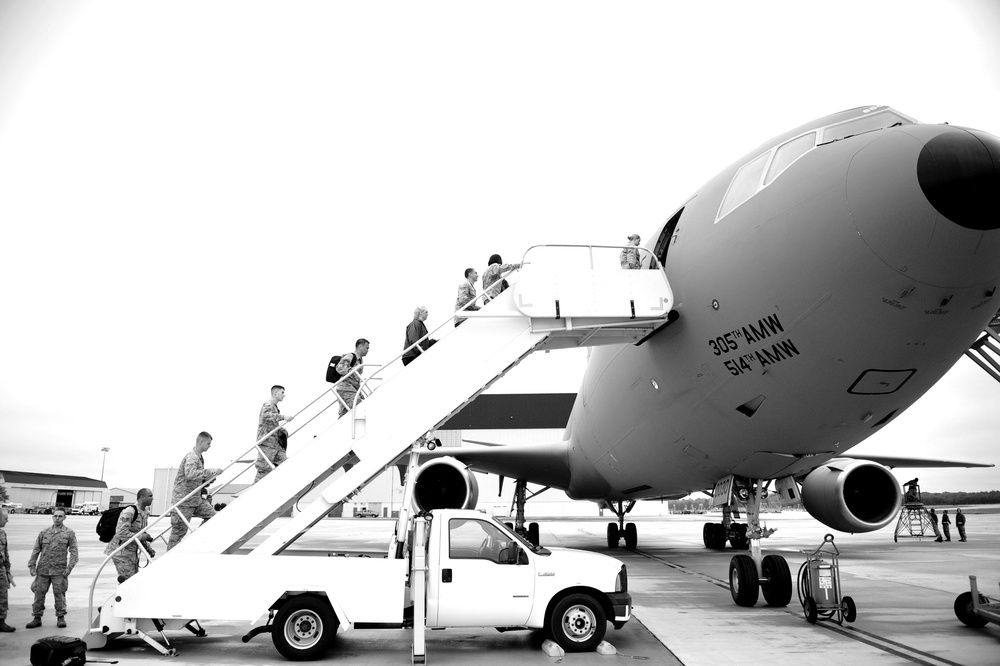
415 331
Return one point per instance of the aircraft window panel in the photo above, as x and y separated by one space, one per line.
789 152
867 123
745 184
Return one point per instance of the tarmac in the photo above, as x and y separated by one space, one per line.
683 611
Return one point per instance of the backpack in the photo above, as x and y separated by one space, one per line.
108 524
58 651
332 375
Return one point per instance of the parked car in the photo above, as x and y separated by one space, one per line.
365 513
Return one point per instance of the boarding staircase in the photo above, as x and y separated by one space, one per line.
563 298
986 350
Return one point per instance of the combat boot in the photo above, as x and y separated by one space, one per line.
34 624
61 623
6 627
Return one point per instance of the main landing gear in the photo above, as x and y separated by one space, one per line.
749 574
621 529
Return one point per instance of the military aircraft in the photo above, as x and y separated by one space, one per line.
822 284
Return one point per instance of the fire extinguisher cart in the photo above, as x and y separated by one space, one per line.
819 586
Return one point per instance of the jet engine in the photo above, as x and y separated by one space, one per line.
852 495
445 483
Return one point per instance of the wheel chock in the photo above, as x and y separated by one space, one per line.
552 649
606 648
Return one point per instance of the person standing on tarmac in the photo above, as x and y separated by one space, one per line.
269 419
49 567
960 524
934 524
6 580
191 474
946 525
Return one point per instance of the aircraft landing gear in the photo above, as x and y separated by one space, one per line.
620 529
749 574
520 497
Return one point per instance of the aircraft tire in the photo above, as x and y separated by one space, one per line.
533 535
744 585
612 535
577 623
714 535
631 536
739 541
964 610
778 589
304 627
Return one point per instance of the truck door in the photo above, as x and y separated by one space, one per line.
477 585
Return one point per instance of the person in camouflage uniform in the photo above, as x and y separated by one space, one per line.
268 421
6 579
629 257
131 521
466 294
49 567
348 388
191 474
493 277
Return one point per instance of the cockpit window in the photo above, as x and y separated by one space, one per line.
867 123
788 153
744 184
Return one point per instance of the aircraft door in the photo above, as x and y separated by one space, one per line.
479 583
666 237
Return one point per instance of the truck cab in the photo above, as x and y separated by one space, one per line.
480 573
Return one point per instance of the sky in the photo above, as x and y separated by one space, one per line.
201 199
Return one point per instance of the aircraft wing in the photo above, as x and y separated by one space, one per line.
546 464
897 461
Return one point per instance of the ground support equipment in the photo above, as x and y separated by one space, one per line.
819 586
975 609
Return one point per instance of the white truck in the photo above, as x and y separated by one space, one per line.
467 570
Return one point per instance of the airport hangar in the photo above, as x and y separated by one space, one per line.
31 489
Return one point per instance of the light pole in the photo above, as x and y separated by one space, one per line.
105 451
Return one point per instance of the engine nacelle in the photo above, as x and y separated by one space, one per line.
445 483
852 495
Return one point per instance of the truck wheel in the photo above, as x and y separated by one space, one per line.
304 626
631 536
612 535
965 612
577 623
778 588
744 584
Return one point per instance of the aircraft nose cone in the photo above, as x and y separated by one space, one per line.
959 173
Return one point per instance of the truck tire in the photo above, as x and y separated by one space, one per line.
304 627
577 623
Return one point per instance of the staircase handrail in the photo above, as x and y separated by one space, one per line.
136 538
457 313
